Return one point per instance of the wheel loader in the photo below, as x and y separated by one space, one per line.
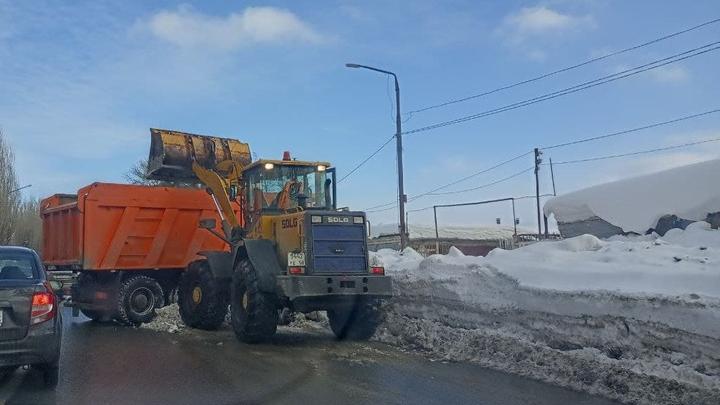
289 249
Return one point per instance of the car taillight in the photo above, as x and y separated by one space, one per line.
43 307
296 270
377 270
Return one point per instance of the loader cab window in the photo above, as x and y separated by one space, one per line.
279 187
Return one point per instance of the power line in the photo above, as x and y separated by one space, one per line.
579 87
565 69
429 207
628 131
485 185
592 159
493 167
359 165
548 96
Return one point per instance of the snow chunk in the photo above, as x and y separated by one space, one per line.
455 252
686 191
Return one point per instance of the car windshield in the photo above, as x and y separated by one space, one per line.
272 186
17 266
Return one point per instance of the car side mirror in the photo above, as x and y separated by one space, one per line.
208 223
56 286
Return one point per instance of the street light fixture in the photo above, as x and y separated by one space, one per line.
20 188
398 138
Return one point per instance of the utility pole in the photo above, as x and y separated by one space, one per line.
402 198
552 176
538 160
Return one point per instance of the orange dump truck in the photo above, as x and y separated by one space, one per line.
125 245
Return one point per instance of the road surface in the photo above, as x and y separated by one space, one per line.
114 364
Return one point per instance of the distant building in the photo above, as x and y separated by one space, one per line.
475 241
654 202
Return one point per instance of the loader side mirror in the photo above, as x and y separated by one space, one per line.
328 197
208 223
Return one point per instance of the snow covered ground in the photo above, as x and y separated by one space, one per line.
632 318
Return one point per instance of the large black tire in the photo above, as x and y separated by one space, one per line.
357 323
137 299
254 314
202 300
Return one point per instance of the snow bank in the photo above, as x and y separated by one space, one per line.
680 263
636 204
635 319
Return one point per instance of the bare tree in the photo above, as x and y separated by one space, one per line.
9 197
28 226
137 174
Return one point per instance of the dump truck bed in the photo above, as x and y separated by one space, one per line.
127 227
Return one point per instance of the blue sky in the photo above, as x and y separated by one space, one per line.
81 83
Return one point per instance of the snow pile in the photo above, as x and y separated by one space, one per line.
487 232
167 320
635 319
680 263
636 204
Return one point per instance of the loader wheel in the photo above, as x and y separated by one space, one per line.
202 300
253 313
357 323
138 296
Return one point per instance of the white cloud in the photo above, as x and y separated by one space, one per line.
186 27
671 74
530 22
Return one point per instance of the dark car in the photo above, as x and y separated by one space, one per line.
30 320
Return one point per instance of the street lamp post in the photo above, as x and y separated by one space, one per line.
398 139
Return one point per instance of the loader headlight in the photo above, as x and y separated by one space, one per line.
269 166
321 168
358 220
316 219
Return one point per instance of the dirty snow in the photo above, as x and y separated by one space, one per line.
636 204
634 319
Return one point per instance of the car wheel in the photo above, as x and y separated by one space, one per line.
50 374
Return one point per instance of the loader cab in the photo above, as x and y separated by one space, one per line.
279 186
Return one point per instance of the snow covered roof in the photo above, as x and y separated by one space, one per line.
488 232
635 204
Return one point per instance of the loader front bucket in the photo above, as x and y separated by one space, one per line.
172 153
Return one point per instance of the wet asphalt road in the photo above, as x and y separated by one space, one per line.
113 364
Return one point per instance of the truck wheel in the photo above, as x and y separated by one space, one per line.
202 301
138 296
358 323
253 313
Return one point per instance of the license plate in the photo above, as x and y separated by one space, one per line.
296 259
